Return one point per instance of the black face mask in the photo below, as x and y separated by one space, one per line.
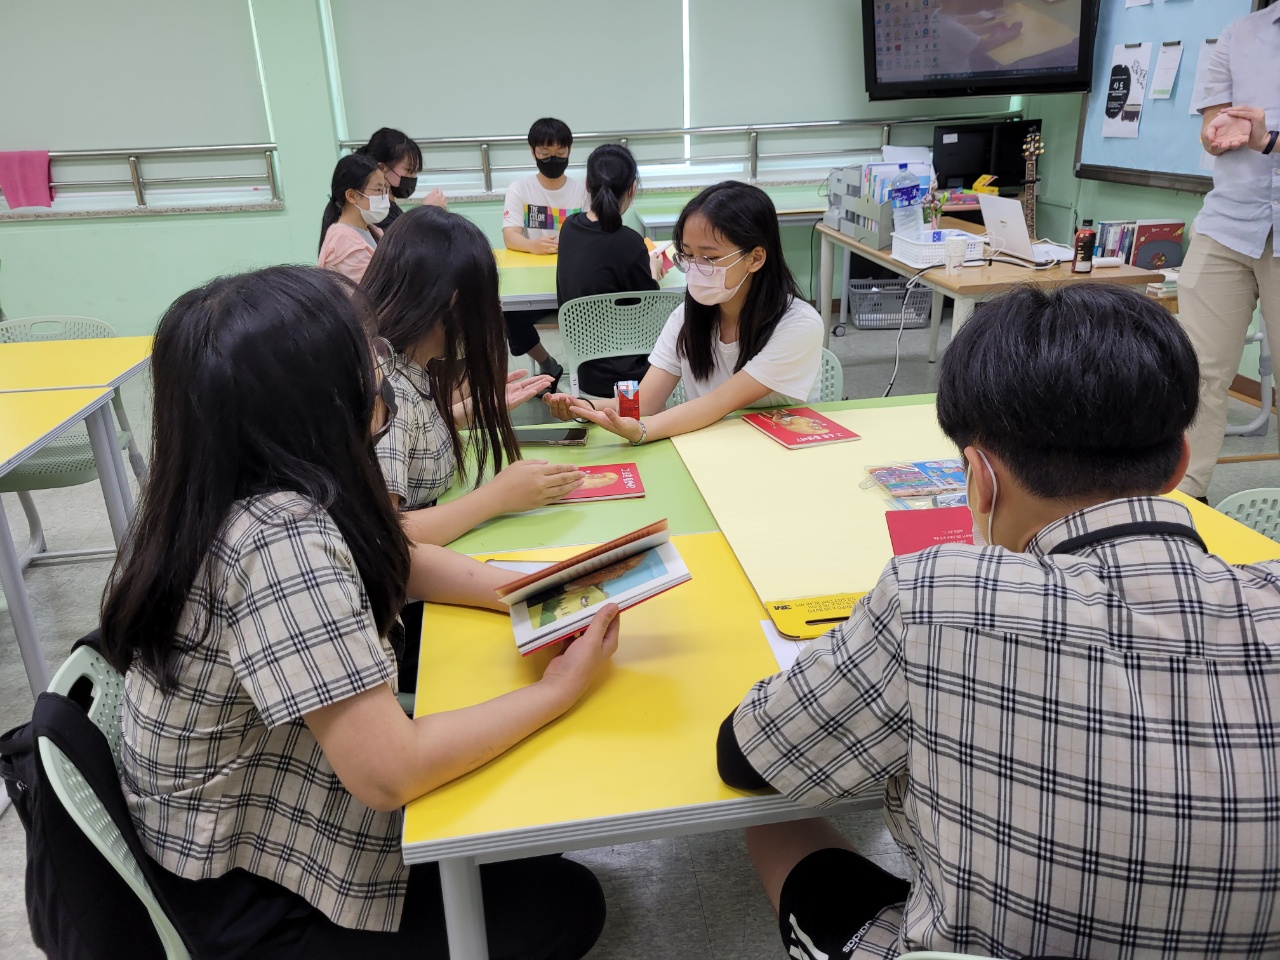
553 168
404 189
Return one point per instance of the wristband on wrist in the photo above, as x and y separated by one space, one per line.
1271 141
584 419
644 433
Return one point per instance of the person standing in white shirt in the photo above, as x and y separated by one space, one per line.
535 209
1232 263
743 337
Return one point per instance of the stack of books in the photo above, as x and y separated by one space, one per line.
1150 244
1166 288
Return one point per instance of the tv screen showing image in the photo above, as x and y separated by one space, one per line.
941 48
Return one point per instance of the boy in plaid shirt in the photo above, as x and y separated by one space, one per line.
1073 727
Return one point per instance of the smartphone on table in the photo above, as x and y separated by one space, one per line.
551 436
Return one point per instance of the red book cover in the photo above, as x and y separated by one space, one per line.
610 481
799 427
914 530
1158 246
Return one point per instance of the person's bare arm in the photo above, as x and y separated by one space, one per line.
515 239
655 389
385 759
1220 132
439 575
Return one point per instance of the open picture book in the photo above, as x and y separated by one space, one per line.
558 602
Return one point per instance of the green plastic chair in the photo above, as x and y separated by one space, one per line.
68 460
830 381
1258 508
78 797
613 325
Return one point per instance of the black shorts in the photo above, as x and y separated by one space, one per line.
828 897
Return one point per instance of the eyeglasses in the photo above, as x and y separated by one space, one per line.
384 358
384 355
704 265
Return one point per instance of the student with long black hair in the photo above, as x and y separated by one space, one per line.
264 756
400 160
433 284
743 336
598 254
358 201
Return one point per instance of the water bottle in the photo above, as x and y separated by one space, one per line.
908 204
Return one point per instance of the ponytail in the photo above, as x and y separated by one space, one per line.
611 173
351 173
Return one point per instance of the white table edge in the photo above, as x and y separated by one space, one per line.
113 384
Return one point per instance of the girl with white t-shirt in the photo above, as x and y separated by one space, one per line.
742 338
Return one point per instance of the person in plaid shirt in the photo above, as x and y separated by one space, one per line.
1074 728
265 759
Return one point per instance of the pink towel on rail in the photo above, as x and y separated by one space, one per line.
24 178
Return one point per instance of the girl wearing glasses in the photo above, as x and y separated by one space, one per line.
359 198
742 338
264 756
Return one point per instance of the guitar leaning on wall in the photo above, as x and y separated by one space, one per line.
1032 148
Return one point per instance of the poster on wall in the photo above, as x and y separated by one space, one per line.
1126 90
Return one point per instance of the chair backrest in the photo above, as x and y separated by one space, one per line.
613 325
54 328
1258 508
830 381
85 666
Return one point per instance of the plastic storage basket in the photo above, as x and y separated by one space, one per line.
884 304
921 254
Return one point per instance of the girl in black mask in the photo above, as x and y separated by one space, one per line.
400 160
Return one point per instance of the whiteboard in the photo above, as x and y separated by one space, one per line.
1167 151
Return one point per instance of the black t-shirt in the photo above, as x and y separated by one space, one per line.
390 218
592 262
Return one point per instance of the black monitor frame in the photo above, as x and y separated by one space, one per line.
1012 83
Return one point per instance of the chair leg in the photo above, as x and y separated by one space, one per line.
35 538
138 464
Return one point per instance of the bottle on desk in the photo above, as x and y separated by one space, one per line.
908 204
1082 261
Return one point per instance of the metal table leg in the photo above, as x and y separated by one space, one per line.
826 276
963 311
20 612
935 322
463 909
106 455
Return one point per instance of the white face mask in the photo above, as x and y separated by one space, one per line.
379 207
711 290
978 539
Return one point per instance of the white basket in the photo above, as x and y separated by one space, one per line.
921 254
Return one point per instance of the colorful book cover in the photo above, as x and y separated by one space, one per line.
609 481
920 478
913 530
799 427
1157 245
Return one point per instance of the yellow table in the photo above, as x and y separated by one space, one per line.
63 364
527 281
29 421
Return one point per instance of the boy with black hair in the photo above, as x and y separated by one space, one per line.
535 209
1074 727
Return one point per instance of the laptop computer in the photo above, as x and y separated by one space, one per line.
1007 233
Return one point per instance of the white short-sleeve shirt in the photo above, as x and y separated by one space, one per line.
789 365
540 212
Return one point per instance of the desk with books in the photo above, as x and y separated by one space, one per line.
634 760
970 287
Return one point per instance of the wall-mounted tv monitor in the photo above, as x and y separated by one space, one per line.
956 48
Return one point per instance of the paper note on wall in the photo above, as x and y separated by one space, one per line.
1166 70
1202 64
1126 90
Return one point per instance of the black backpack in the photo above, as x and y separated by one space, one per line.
77 904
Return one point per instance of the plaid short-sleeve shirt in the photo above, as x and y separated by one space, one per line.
1079 752
416 455
223 772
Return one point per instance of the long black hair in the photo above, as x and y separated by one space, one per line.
388 147
611 172
263 382
745 216
352 172
436 267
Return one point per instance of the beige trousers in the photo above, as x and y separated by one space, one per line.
1218 291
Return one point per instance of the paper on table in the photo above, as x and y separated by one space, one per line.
1202 64
1126 90
810 510
1166 70
786 651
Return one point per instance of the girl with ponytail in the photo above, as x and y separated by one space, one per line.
599 255
359 197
